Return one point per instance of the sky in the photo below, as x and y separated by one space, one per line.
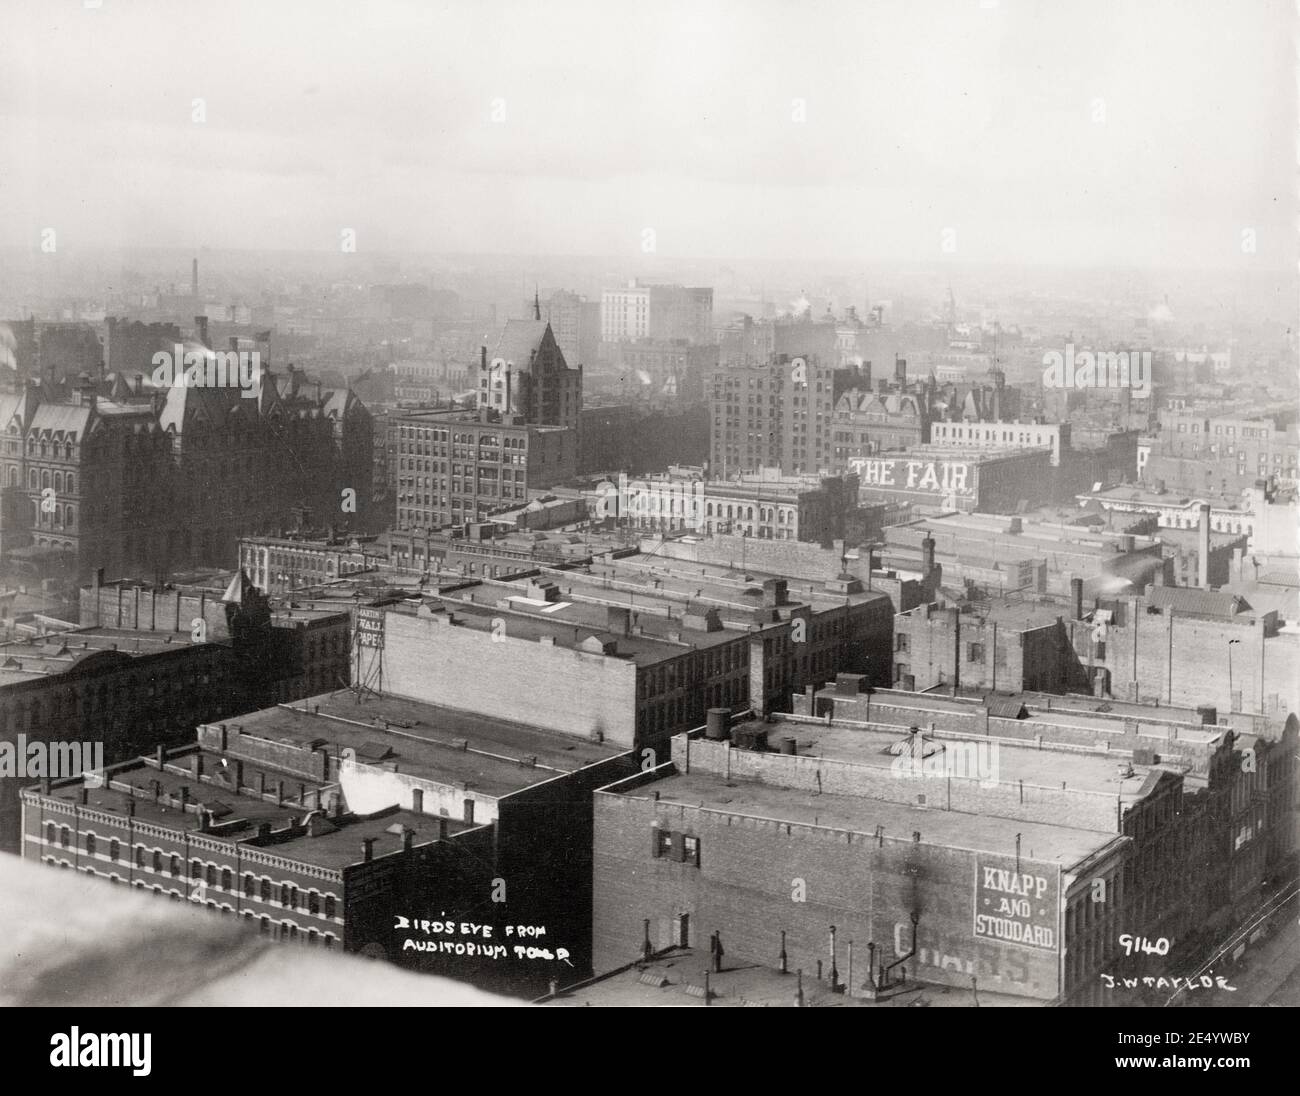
1069 132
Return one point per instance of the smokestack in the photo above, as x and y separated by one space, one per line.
927 555
1203 549
1076 596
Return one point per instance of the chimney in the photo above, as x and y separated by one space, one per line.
927 555
198 766
1076 596
408 840
160 755
1203 549
201 322
367 848
618 619
417 800
184 793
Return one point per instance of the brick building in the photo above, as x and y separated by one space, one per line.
851 852
527 376
765 505
647 644
90 481
324 823
453 467
992 481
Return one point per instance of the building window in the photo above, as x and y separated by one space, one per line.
662 842
157 861
329 905
211 876
901 641
226 879
250 886
975 652
313 902
50 830
691 849
196 869
266 890
90 844
139 856
65 836
115 849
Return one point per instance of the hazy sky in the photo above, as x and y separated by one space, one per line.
1058 132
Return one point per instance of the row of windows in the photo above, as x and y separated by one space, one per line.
221 878
281 930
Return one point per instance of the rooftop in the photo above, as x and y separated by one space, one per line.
878 749
493 756
1063 845
750 985
59 652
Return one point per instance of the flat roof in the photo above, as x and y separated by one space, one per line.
1046 767
750 984
1066 711
336 848
954 829
58 652
496 760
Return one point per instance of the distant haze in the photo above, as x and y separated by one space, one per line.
1139 133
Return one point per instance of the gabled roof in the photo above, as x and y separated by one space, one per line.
520 340
1188 599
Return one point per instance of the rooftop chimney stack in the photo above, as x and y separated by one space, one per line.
1076 596
367 848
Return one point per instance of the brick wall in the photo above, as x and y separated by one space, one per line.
751 872
521 680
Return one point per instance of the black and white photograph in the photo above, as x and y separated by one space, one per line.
709 503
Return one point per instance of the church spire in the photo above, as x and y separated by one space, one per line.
537 305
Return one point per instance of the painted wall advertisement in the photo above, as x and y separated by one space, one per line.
935 477
1017 903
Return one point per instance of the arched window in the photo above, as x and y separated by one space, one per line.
139 856
211 876
157 861
50 830
70 484
227 879
90 844
266 890
65 836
